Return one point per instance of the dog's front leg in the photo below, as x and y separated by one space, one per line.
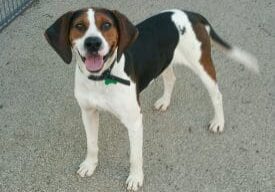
90 119
133 122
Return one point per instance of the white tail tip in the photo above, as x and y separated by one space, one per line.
244 58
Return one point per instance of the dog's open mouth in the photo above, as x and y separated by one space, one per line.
94 62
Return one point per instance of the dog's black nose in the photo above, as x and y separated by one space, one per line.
93 44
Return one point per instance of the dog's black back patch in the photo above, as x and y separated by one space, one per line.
153 50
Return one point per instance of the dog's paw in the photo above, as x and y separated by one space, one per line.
134 181
162 104
216 125
86 168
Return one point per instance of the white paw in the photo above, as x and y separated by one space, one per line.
216 125
162 104
86 169
134 181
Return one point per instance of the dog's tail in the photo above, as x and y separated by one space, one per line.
235 53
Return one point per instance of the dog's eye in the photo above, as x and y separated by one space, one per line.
80 27
106 26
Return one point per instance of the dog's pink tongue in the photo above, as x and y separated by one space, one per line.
94 63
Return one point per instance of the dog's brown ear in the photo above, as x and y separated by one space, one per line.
128 33
58 37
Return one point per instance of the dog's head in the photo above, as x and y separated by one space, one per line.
95 34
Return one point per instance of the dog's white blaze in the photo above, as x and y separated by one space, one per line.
94 32
91 32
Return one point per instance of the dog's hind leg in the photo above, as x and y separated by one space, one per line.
217 124
206 71
169 79
204 68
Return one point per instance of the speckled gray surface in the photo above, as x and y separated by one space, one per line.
42 139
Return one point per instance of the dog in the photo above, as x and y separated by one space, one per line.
116 61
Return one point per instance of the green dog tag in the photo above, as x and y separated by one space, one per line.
109 81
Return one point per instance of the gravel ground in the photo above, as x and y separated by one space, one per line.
42 138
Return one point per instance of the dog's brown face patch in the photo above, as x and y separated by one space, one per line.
79 25
105 23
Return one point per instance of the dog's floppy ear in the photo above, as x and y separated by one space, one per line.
128 33
58 37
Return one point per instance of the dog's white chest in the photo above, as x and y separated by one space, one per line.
95 94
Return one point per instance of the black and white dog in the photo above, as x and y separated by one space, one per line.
116 60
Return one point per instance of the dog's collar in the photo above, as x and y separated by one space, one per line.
108 77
